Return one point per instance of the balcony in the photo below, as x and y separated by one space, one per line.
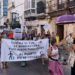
61 10
72 3
60 6
30 12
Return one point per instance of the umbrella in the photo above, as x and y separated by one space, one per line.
65 19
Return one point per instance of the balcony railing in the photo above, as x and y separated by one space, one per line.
60 6
71 4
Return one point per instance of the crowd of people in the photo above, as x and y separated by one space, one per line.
54 66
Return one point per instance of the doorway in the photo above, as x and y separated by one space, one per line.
60 31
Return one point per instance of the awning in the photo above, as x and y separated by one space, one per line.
65 19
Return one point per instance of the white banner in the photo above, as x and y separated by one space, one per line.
17 34
22 50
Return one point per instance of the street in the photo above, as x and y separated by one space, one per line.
33 68
35 29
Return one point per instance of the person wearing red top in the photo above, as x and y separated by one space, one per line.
10 35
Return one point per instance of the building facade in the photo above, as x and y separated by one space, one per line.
61 7
35 14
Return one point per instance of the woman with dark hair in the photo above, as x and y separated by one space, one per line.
55 67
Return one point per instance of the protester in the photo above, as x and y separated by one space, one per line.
71 59
53 36
57 39
24 36
10 35
55 67
48 35
28 35
38 36
32 34
43 34
35 35
4 35
69 40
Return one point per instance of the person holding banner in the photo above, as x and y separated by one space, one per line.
4 64
20 36
10 35
55 67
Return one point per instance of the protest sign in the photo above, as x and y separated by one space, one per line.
17 34
22 50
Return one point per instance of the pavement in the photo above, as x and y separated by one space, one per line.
33 68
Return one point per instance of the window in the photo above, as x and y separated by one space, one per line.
61 1
5 3
5 7
27 4
33 4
